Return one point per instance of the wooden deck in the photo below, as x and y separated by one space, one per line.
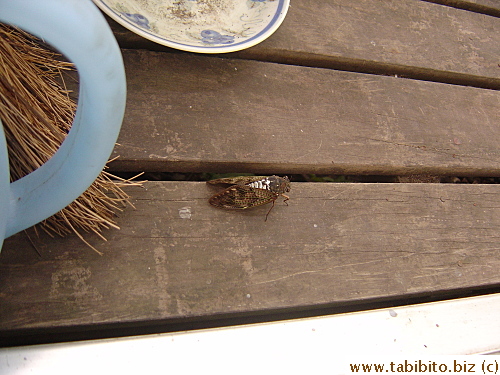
354 87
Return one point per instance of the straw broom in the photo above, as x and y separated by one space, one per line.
37 113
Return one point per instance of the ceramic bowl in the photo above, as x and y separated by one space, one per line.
206 26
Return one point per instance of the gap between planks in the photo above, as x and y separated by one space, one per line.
420 331
488 7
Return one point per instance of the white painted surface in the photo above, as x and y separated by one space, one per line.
326 344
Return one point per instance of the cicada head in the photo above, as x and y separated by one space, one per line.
279 185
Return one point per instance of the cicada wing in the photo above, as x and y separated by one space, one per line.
241 197
239 180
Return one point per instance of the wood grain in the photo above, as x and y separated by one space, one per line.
196 114
334 244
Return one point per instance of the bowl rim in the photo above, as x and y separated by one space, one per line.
262 35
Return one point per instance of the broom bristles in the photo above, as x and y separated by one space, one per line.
37 113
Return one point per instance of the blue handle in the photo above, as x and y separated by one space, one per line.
79 31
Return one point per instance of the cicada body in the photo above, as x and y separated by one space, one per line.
249 191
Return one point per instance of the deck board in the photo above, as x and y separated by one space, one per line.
414 38
333 245
193 113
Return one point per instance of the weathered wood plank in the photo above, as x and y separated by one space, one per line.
195 113
405 33
176 257
405 37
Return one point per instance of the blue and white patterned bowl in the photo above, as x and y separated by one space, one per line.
206 26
